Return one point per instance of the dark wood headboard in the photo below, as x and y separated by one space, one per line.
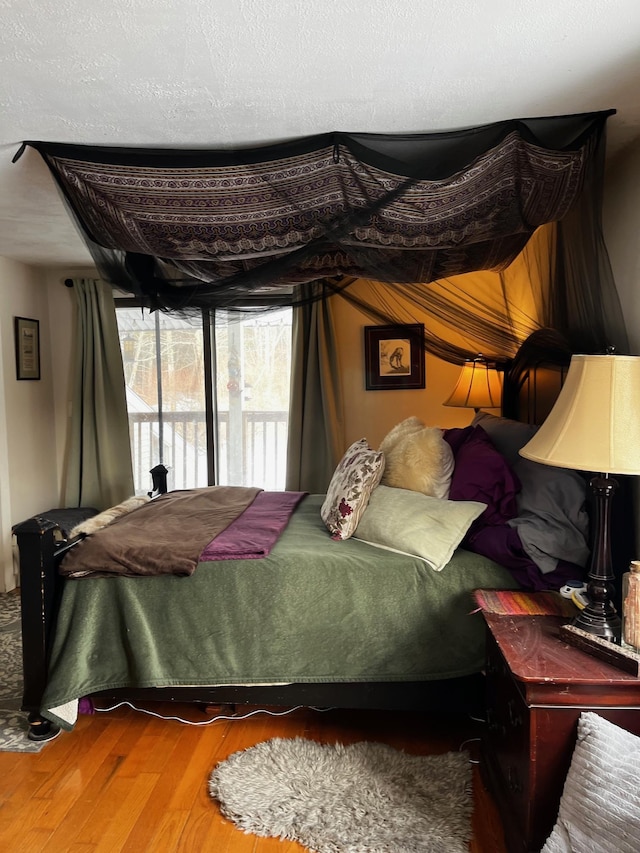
534 378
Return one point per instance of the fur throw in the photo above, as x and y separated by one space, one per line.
417 458
96 522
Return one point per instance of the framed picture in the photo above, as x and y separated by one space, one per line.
27 335
394 357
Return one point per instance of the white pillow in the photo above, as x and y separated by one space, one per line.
417 458
600 806
417 525
97 522
357 475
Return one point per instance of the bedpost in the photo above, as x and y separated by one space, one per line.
158 480
39 592
41 540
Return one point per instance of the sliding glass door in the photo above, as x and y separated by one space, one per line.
210 399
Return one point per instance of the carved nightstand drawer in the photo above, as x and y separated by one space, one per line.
507 736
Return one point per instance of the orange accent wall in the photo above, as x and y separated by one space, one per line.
371 414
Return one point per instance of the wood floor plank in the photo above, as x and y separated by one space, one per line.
133 795
174 799
157 831
202 832
17 780
77 847
31 841
93 790
128 783
40 816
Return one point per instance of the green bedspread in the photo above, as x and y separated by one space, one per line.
314 610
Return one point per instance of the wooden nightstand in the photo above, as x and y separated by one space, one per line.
537 687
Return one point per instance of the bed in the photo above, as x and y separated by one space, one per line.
318 621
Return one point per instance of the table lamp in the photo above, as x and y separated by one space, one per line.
594 426
479 386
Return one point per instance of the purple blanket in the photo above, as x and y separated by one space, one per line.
254 533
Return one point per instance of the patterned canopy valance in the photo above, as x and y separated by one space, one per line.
204 228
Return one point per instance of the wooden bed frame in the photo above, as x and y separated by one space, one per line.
531 385
42 545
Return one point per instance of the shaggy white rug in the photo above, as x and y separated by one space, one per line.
362 798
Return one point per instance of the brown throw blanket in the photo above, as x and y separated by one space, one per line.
164 536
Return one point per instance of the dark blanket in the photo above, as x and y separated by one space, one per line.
254 533
163 537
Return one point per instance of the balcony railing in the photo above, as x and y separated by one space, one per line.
254 453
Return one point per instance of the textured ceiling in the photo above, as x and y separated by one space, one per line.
218 73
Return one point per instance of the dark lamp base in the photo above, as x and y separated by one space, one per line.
600 617
602 621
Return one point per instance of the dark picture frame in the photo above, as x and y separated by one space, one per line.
394 357
27 339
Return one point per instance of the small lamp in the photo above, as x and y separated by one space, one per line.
478 387
594 426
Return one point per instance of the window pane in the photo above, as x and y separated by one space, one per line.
164 374
253 366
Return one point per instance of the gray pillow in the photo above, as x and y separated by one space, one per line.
552 519
415 524
507 436
600 806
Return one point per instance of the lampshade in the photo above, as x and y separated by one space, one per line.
595 422
479 386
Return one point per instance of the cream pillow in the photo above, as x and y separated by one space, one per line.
600 806
417 458
96 522
357 475
415 524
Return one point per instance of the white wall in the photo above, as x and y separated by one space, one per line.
622 234
28 467
34 414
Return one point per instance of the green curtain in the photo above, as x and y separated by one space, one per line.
99 470
316 422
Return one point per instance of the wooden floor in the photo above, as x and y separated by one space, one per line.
125 781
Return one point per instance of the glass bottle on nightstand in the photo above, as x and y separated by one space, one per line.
631 607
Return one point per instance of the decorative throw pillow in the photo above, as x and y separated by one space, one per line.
357 475
600 805
96 522
415 524
417 458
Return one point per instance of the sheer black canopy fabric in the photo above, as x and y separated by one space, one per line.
186 230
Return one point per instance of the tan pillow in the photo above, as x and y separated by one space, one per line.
417 458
